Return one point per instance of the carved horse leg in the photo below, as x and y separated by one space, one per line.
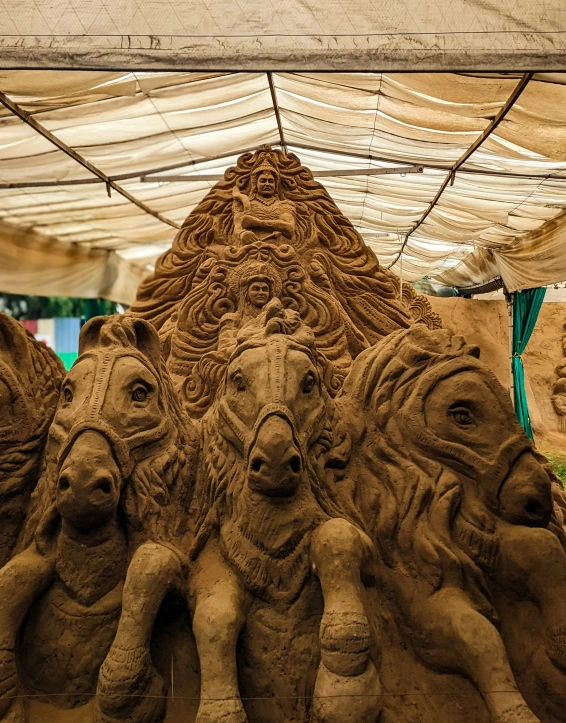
535 560
219 603
129 686
347 688
470 644
22 580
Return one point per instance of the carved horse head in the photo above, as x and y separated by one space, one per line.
436 432
273 408
459 413
118 435
272 428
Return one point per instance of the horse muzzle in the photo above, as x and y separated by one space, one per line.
89 482
525 496
275 463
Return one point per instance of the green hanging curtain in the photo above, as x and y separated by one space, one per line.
526 307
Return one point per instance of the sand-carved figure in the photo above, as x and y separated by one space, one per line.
199 341
462 514
101 539
559 389
269 197
281 437
263 215
30 379
268 522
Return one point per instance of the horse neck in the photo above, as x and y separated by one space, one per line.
91 564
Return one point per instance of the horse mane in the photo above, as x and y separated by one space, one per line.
418 497
159 486
20 464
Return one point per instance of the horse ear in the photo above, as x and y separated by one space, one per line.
90 333
147 340
14 342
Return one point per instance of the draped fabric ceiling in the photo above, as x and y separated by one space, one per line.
503 211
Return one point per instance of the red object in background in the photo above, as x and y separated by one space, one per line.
30 325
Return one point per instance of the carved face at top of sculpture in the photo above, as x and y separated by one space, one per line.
265 181
266 184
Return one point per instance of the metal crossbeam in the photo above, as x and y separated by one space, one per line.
29 120
339 172
475 145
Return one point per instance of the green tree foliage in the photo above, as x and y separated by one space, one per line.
559 467
49 307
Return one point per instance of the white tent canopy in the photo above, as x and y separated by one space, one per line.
90 159
383 35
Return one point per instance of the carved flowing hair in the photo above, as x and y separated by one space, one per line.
33 373
368 292
156 489
222 471
418 495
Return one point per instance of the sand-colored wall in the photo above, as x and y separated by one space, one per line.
486 324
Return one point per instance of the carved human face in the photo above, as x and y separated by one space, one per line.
259 293
266 184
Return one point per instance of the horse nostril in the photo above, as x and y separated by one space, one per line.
104 486
533 507
295 464
256 464
64 483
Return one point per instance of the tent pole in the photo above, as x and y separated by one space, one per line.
509 299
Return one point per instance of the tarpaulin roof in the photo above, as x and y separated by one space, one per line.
90 160
284 34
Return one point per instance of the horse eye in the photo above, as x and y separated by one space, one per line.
462 417
308 383
139 393
239 382
67 395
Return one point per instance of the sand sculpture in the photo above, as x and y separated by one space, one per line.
334 492
30 379
559 389
105 523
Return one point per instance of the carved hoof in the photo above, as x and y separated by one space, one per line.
221 711
342 699
344 642
128 684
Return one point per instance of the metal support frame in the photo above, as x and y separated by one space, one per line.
276 109
339 172
509 103
29 120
